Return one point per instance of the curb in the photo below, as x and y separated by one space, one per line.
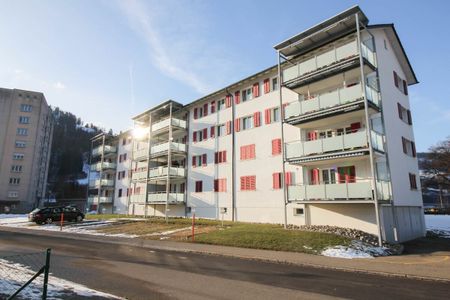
133 242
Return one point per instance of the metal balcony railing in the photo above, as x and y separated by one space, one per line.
99 200
166 122
162 171
103 166
99 150
102 182
165 147
174 198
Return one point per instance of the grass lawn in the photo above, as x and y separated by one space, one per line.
246 235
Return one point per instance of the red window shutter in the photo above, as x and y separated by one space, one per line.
257 119
213 107
395 79
205 133
204 159
224 184
409 117
252 183
276 146
228 100
242 183
194 136
276 180
399 108
237 125
195 113
229 127
315 176
267 116
216 185
256 90
224 156
237 97
413 147
252 151
405 87
205 109
405 150
194 161
288 178
266 86
216 157
213 131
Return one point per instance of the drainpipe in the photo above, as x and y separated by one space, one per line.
169 158
368 131
283 154
233 161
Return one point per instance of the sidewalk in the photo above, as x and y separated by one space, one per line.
430 266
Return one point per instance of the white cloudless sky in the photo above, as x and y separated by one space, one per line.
106 61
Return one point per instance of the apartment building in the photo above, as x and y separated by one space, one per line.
26 127
323 138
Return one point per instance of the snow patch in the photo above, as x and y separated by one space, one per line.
438 224
356 249
57 288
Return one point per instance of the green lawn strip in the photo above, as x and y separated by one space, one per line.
271 237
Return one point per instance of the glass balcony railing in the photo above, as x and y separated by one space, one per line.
332 144
140 153
338 191
137 198
323 101
100 200
162 171
107 149
138 175
320 61
384 191
102 182
174 198
377 141
178 147
166 122
103 166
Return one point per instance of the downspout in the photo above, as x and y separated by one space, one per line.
169 162
282 142
101 172
233 160
368 131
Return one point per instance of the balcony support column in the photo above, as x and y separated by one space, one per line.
368 131
169 162
99 191
148 161
283 152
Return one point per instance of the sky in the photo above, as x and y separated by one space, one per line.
106 61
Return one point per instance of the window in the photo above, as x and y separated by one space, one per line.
274 83
346 174
298 211
248 183
220 185
199 186
199 160
412 181
200 135
221 130
213 107
404 114
198 112
18 156
25 108
24 120
124 141
247 94
16 168
385 45
13 194
22 131
277 181
400 83
329 176
220 157
276 146
409 147
21 144
248 152
272 115
266 84
247 122
221 104
120 193
14 180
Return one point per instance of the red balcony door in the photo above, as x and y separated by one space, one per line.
346 174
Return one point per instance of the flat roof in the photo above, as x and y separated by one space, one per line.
161 105
319 34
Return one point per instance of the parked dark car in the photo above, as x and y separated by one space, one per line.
53 214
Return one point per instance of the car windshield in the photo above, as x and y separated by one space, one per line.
35 210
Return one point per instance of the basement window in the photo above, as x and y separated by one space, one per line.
298 212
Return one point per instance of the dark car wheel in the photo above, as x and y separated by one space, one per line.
79 218
49 221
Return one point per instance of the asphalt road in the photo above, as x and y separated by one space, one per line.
138 273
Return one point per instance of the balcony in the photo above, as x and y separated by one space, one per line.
137 199
106 149
160 198
140 154
101 182
340 143
162 172
164 124
328 63
100 200
333 192
139 175
164 147
103 166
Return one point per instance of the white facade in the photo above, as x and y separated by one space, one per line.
123 173
344 145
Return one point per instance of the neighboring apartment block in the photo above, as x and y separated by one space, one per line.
323 138
26 126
